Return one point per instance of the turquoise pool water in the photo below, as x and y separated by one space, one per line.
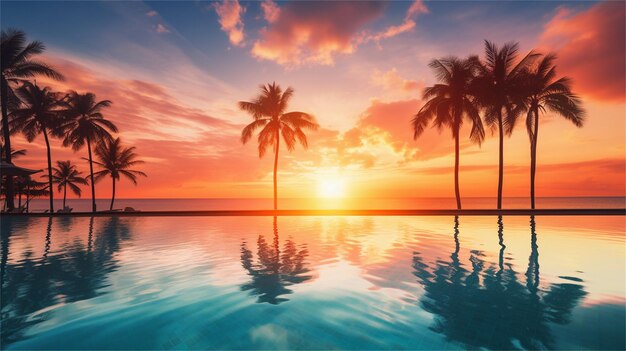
313 283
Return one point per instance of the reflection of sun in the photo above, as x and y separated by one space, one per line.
333 187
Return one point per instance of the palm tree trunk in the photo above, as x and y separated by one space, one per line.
93 186
19 199
64 194
45 136
27 198
533 160
500 159
456 167
276 169
4 97
112 195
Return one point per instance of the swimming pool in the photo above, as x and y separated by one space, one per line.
313 283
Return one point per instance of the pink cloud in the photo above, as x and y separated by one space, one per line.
151 13
161 29
271 11
229 13
314 32
416 8
591 48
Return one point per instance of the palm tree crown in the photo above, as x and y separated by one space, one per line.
84 120
17 63
66 175
451 100
39 112
116 161
268 113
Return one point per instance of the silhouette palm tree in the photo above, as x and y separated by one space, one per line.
86 125
546 93
16 64
66 174
31 188
115 161
39 114
499 89
449 102
268 112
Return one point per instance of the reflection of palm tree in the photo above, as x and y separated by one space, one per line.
268 112
115 161
66 175
497 88
17 64
449 102
488 307
86 125
39 115
544 92
274 270
79 273
501 243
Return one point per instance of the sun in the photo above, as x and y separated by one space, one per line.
331 188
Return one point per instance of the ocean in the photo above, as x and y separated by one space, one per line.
39 205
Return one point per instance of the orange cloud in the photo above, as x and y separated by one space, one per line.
392 81
229 13
314 32
591 47
387 125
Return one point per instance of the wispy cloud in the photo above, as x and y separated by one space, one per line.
416 8
230 14
162 29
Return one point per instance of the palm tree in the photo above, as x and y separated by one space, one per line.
449 102
66 174
115 160
545 93
86 125
268 113
499 89
16 64
32 188
38 115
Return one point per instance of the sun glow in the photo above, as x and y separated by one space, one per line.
331 187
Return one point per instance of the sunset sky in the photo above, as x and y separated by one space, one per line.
176 70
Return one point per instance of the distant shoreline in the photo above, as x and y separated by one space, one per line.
416 212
